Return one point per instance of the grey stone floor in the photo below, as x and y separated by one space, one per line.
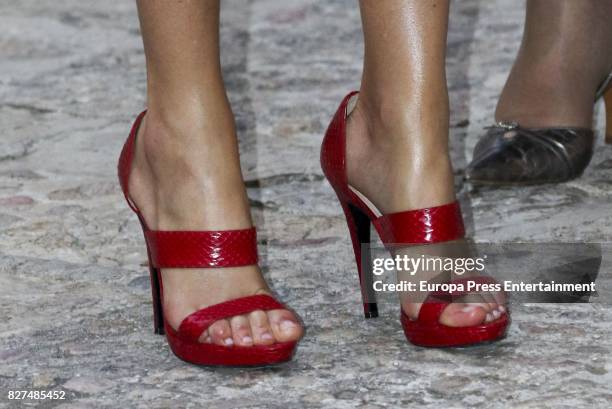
75 307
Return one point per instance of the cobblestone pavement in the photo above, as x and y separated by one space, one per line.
75 312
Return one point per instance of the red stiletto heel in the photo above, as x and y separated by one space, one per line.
202 249
359 228
158 311
423 226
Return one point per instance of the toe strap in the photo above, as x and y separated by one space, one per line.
195 324
431 310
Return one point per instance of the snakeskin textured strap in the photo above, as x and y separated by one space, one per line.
192 327
430 225
202 249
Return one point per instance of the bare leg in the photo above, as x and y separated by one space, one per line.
187 173
401 121
565 54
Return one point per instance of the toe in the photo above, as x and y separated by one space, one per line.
205 337
241 331
492 303
260 328
285 326
484 300
500 298
464 315
221 333
488 302
496 301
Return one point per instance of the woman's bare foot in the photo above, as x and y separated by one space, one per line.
186 176
397 135
408 171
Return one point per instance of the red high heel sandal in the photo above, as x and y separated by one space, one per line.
423 226
202 249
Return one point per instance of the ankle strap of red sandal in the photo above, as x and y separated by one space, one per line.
202 249
431 225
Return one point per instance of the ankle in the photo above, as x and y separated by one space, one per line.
193 122
412 127
564 56
549 90
180 165
196 107
193 140
408 152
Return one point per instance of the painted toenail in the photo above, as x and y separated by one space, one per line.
502 308
489 317
496 314
247 340
228 341
469 308
266 336
287 325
